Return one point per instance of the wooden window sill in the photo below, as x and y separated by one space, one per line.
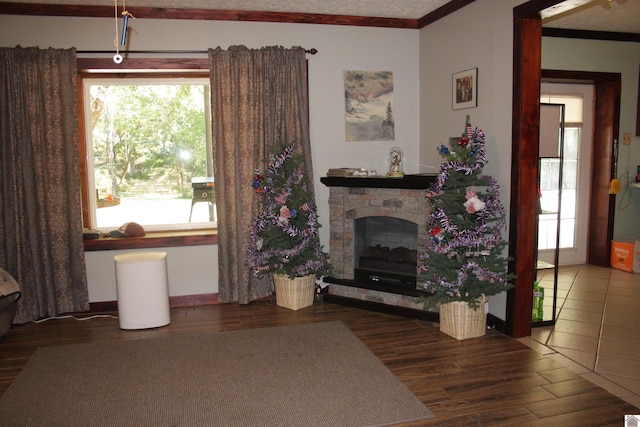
154 240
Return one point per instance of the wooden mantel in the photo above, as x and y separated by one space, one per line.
414 182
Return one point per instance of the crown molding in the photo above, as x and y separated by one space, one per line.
42 9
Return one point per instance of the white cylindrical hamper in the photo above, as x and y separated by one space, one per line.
142 289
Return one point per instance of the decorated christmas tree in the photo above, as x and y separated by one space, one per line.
284 237
463 259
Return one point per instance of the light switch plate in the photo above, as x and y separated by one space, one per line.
626 139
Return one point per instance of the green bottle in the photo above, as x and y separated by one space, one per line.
538 302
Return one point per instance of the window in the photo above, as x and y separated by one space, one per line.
149 152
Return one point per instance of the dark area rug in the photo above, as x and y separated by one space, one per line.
317 374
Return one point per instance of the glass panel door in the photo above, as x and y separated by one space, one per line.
550 191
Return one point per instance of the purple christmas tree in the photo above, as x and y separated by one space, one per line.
464 258
284 237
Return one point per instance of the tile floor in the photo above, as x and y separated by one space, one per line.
597 333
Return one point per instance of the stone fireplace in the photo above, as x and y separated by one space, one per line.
377 231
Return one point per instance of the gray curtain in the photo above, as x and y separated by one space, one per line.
41 243
259 98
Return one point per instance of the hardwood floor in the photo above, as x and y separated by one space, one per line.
488 381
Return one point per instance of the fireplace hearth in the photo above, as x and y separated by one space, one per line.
377 231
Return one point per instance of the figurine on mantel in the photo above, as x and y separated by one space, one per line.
396 169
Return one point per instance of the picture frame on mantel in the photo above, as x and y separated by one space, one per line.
465 89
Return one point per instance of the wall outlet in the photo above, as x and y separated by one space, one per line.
626 138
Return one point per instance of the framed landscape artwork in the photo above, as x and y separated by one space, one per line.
465 89
368 106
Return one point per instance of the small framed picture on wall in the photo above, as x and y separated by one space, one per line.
465 89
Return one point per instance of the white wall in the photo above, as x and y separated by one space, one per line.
479 35
340 48
190 271
610 57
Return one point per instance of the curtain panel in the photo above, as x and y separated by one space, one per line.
259 99
41 242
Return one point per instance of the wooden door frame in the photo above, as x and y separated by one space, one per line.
606 125
527 77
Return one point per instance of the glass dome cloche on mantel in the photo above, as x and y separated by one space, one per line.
396 159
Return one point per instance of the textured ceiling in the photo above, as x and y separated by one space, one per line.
596 15
600 15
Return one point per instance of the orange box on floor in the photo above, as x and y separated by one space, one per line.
625 255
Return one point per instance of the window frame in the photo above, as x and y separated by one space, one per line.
150 67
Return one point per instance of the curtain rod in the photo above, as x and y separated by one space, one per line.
191 52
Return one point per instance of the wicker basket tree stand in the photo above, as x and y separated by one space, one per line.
461 321
295 293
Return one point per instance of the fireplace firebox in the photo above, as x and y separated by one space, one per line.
386 251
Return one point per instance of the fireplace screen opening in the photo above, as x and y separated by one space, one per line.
386 251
